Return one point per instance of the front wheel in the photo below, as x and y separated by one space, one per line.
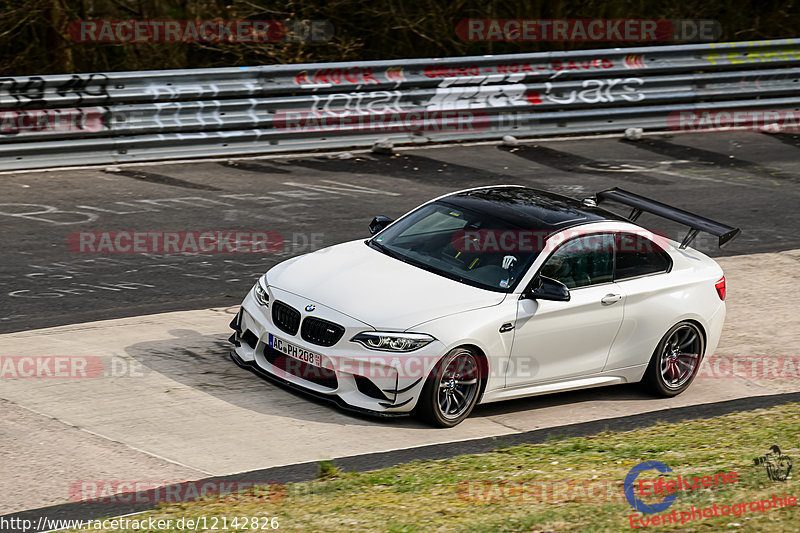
676 360
452 389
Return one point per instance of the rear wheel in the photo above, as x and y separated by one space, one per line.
452 388
676 360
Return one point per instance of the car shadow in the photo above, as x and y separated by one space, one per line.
202 363
614 393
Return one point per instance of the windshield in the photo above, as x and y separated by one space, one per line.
464 245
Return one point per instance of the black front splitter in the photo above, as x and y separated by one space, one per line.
255 369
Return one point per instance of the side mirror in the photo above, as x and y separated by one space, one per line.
378 223
544 288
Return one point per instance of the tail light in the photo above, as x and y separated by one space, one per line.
720 286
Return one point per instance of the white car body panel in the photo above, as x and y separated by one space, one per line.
561 340
556 386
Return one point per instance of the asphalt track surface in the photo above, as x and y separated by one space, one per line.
745 179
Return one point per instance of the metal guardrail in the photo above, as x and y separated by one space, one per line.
173 114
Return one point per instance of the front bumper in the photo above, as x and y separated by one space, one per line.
254 368
350 374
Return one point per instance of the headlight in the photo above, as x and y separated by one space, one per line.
392 342
261 294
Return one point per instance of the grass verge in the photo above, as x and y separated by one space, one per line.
565 485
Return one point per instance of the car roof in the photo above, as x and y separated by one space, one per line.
530 208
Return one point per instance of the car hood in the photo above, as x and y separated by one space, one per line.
376 289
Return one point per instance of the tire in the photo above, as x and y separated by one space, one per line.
452 388
675 361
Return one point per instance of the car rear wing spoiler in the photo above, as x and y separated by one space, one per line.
696 223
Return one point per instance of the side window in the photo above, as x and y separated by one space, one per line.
582 261
639 256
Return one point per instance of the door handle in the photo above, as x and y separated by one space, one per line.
609 299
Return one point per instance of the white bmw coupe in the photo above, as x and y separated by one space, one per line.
489 294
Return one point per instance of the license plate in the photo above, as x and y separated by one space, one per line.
295 352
